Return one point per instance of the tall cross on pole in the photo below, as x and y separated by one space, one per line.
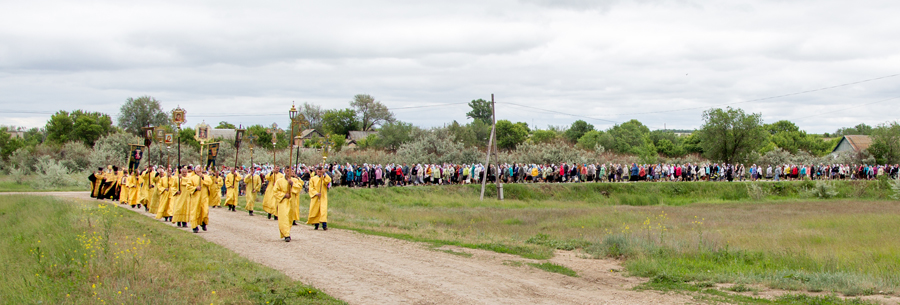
274 131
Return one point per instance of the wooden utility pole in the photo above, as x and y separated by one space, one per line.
492 148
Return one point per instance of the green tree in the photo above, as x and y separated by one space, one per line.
481 111
340 121
509 134
627 138
577 130
590 140
141 112
859 129
691 144
225 125
786 135
541 136
886 143
730 135
186 136
79 125
59 127
370 112
394 134
338 142
9 144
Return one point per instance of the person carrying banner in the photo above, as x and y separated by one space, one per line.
232 184
254 184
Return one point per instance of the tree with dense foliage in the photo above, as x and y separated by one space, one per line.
626 138
540 136
474 134
142 112
510 134
578 129
371 112
730 135
225 125
786 135
340 121
394 134
81 126
859 129
591 140
9 144
886 143
481 111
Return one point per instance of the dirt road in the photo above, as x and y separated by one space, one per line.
365 269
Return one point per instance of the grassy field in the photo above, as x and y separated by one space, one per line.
27 184
58 251
780 235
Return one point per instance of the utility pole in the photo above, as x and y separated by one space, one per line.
492 148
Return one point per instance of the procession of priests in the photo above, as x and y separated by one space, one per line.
183 196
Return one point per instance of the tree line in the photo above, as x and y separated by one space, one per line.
727 135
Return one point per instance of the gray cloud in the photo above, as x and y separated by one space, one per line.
612 60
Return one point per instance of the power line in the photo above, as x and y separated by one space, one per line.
766 98
857 106
558 112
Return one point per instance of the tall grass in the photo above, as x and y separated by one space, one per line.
61 252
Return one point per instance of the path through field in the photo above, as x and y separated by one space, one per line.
365 269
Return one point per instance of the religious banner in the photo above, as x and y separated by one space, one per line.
148 135
160 134
212 150
135 155
238 137
169 139
202 132
178 116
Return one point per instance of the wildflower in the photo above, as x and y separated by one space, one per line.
213 292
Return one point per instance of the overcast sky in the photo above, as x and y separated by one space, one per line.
604 61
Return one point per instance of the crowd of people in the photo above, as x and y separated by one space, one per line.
183 196
368 175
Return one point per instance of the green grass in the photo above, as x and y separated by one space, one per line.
704 291
551 267
8 184
786 238
57 251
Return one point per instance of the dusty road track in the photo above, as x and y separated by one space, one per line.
364 269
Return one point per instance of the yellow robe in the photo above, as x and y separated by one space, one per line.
124 190
215 191
173 187
180 210
199 204
283 206
144 188
295 200
163 208
135 189
232 183
269 203
95 186
254 184
154 193
109 177
318 205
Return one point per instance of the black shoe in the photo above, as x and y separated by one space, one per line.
287 239
196 230
276 217
203 227
251 213
139 206
324 226
294 223
317 227
270 216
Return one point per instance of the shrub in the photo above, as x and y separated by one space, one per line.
823 190
52 173
756 192
17 174
895 186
